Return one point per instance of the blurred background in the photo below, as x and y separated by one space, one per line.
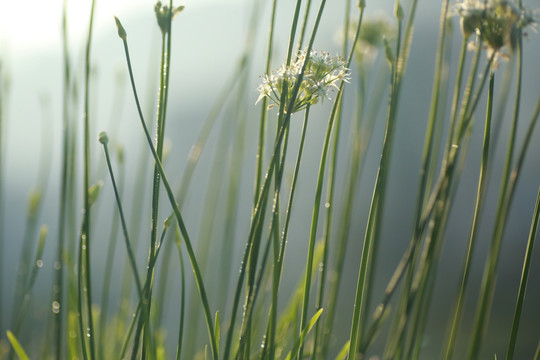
208 39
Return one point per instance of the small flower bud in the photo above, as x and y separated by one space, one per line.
467 28
93 192
168 221
121 31
398 11
164 16
388 51
361 4
103 138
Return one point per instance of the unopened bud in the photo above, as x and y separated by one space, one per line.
121 31
103 138
388 51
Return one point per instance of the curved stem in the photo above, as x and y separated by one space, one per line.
178 215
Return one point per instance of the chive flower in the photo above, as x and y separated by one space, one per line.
496 22
321 75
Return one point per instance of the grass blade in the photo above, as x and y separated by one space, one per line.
300 341
17 346
524 278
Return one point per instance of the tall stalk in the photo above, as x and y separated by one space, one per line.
505 197
59 308
524 279
2 155
85 286
196 271
474 229
250 255
329 205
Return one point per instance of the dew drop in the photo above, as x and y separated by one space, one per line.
55 307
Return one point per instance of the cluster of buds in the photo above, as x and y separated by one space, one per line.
164 15
496 22
321 75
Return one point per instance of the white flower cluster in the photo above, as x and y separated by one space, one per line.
495 21
322 73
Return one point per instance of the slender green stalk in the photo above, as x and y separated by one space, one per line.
193 160
144 323
437 193
2 155
329 205
374 220
187 241
278 266
252 245
111 252
85 239
17 346
182 297
437 224
490 270
366 257
141 180
304 25
72 289
524 278
258 212
434 109
361 140
426 171
131 327
80 295
58 288
273 238
474 230
453 149
320 180
164 18
255 244
264 104
131 256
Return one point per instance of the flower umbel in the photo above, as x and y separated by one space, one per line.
322 73
496 21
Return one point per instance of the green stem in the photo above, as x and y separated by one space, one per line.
85 229
183 229
2 155
304 25
505 197
131 255
182 299
59 276
260 207
318 343
474 230
320 180
524 278
269 344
